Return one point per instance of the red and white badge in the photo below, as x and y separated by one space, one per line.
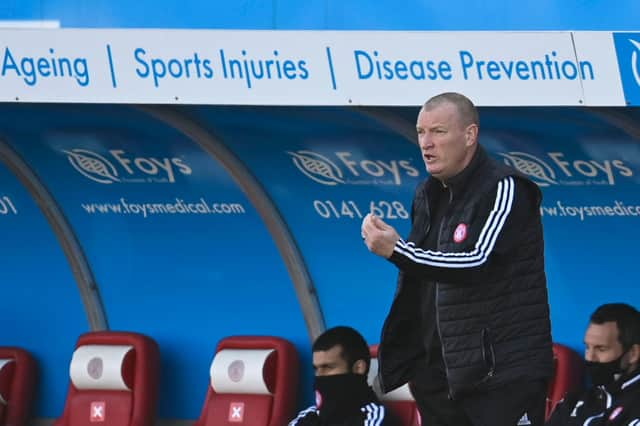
615 413
236 412
460 234
98 411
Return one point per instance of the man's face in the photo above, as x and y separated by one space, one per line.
447 145
330 362
602 343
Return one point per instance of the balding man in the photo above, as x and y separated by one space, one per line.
469 327
612 355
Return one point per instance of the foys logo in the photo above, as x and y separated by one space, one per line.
628 51
555 168
118 166
341 168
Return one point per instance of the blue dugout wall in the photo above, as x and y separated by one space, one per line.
179 251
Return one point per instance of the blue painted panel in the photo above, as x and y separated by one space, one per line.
333 14
297 15
17 9
463 15
40 307
167 264
253 14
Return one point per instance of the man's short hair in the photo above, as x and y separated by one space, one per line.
626 317
354 346
467 111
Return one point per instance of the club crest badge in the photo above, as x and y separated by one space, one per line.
460 234
615 413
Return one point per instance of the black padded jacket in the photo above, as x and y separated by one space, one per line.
492 312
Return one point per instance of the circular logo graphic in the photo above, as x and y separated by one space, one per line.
532 166
92 165
94 368
317 167
615 413
236 370
460 234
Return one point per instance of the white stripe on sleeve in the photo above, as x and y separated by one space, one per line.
301 414
375 414
483 247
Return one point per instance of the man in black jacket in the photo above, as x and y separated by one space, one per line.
612 355
469 326
341 361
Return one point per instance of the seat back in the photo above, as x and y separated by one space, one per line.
253 382
567 376
17 385
114 381
399 402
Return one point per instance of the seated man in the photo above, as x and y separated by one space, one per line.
612 354
343 397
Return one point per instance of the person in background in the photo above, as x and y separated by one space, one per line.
612 359
469 327
341 361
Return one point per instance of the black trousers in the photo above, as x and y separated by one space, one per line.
505 406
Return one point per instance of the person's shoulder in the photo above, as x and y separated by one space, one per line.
501 171
306 417
629 396
522 182
524 190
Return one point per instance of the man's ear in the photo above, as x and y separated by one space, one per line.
359 367
471 134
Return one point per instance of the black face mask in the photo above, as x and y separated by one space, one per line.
341 395
603 373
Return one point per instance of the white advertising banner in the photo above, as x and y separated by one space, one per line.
598 49
306 67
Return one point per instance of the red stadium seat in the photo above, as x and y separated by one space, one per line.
17 385
567 377
114 381
254 382
399 402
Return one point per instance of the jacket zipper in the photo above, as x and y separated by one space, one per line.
487 346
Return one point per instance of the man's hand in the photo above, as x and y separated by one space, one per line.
379 237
